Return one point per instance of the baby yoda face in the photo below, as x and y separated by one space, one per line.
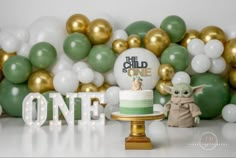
181 90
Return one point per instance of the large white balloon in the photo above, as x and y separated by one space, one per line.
85 75
214 48
196 46
98 79
218 65
142 63
65 82
10 43
181 77
24 50
78 66
229 113
110 78
112 95
20 33
109 109
230 31
201 63
63 63
48 29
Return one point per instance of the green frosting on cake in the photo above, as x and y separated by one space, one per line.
133 111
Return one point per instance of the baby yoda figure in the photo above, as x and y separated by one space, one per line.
183 112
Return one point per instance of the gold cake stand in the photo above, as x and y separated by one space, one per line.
137 138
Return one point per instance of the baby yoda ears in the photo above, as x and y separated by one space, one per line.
198 89
167 89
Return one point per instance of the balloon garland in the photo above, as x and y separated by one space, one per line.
83 55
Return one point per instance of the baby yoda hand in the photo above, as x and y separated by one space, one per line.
197 120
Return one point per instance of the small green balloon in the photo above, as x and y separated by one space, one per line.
101 58
77 107
77 46
12 96
233 99
175 27
158 98
177 56
139 28
43 55
214 96
17 69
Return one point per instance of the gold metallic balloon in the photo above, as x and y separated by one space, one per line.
77 23
189 35
96 99
88 87
166 72
104 87
160 86
40 81
156 40
212 32
232 78
99 31
119 46
134 41
230 52
4 56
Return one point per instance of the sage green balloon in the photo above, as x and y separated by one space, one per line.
177 56
11 97
139 28
43 55
214 96
77 107
233 99
158 98
77 46
101 58
17 69
175 27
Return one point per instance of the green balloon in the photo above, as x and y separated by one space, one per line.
101 58
77 46
17 69
139 28
175 27
43 55
214 96
77 107
11 97
177 56
233 99
158 98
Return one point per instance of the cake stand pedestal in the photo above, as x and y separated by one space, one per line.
137 138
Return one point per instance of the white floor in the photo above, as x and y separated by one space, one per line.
211 138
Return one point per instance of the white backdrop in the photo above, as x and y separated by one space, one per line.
196 13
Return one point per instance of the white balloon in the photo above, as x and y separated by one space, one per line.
80 65
65 82
24 50
229 113
48 29
196 46
98 79
214 48
158 107
112 95
142 62
110 78
100 111
230 31
63 63
109 109
85 75
4 35
201 63
120 34
181 77
10 44
218 65
20 33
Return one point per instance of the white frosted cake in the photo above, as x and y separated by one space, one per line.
136 102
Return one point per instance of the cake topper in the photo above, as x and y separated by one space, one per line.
137 83
183 112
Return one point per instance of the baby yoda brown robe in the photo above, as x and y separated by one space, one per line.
181 112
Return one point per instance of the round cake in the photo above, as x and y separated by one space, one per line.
136 102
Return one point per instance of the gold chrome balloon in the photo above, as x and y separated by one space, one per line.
189 35
230 52
4 56
99 31
166 72
77 23
134 41
160 86
104 87
156 40
40 81
232 78
119 46
88 87
212 32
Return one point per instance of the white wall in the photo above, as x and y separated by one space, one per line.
196 13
